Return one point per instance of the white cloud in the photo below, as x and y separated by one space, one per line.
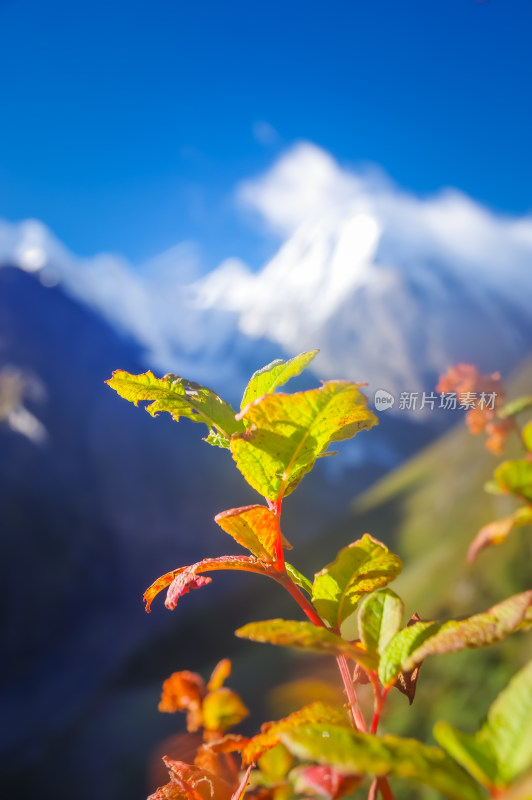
388 284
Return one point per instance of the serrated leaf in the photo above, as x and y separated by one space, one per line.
189 782
180 398
222 709
305 636
399 649
279 372
413 644
508 728
287 432
184 691
298 578
181 580
254 527
515 477
497 532
351 752
359 568
515 407
380 615
270 733
476 756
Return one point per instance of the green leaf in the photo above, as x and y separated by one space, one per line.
279 372
476 756
223 709
271 731
275 763
400 647
497 532
380 615
413 644
515 477
180 398
298 578
351 752
287 432
254 527
508 728
360 568
515 407
526 435
305 636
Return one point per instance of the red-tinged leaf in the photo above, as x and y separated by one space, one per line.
271 731
359 569
182 584
325 782
158 585
189 782
219 674
497 532
286 433
254 527
180 398
412 645
305 636
184 691
230 743
279 372
169 792
186 577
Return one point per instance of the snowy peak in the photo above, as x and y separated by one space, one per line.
391 287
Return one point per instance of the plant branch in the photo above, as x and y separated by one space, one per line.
356 712
385 789
304 604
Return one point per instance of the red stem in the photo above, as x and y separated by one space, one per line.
384 788
306 606
358 718
380 696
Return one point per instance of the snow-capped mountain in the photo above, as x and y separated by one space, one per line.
391 287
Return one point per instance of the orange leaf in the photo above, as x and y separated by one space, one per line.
184 691
270 732
254 527
219 675
183 579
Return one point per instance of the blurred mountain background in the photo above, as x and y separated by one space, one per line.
99 498
200 188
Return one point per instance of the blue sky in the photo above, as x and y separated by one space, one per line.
126 126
